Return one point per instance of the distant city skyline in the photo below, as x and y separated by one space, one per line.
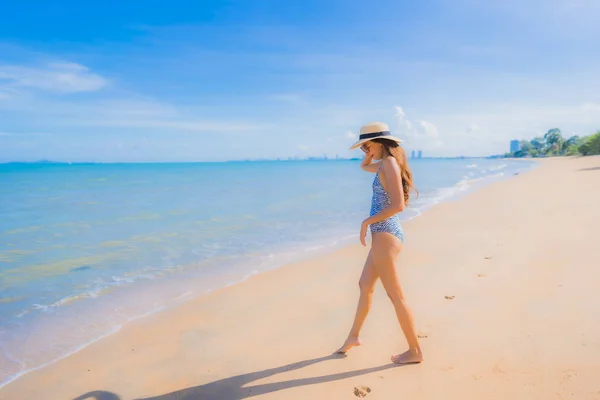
514 146
416 154
278 159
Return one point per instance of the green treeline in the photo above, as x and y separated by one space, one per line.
553 144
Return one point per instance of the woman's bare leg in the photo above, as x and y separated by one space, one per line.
386 249
366 285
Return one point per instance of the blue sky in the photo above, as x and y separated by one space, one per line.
218 80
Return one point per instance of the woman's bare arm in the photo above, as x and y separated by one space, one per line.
369 166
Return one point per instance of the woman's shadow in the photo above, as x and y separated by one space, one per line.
234 388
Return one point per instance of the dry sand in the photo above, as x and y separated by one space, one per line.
504 283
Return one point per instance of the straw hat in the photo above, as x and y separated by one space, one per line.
374 130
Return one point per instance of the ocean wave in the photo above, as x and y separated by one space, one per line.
92 291
498 167
445 193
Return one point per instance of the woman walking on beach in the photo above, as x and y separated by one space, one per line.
391 192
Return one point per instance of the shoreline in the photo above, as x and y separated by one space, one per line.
445 194
418 257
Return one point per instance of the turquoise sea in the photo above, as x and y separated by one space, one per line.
84 248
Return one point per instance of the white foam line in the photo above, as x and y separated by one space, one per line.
77 349
91 293
21 373
183 296
462 186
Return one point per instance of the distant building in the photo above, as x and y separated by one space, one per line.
420 154
412 155
514 146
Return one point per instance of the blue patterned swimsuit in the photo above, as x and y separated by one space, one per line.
381 199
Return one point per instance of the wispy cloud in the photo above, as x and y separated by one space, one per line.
399 112
420 134
429 129
53 77
177 124
130 112
7 93
490 133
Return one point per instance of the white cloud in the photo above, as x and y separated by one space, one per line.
68 66
490 133
404 125
55 77
429 129
7 93
132 113
420 135
399 112
303 147
175 123
350 135
475 134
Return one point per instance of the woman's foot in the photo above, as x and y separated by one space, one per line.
350 343
408 357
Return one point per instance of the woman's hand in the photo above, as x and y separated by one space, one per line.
368 165
363 233
367 160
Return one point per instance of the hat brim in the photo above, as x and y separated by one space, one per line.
388 137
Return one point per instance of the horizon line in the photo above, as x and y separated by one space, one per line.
290 159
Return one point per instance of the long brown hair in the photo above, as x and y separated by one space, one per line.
398 153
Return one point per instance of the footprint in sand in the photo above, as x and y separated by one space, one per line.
488 257
480 275
448 297
422 336
361 391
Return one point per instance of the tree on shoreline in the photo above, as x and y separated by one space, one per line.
590 145
553 144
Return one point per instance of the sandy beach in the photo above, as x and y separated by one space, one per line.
503 282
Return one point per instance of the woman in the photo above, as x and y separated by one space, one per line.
391 192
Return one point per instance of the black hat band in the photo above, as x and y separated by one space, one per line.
374 135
